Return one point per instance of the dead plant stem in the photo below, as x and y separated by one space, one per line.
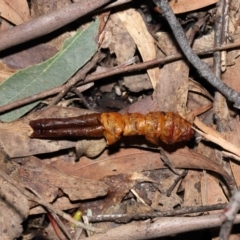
219 59
139 216
47 205
229 215
48 23
160 227
200 66
111 72
80 75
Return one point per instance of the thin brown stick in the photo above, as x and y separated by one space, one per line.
182 175
160 227
140 216
112 72
154 62
220 107
80 75
84 101
47 205
167 162
58 226
229 215
199 65
48 23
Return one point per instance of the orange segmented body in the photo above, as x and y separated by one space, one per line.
167 127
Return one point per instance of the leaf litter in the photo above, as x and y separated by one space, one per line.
45 76
128 178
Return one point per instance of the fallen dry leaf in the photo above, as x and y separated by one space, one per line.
207 129
231 76
143 106
198 88
119 185
161 202
136 27
62 202
182 6
235 170
13 204
137 160
230 143
16 12
47 180
14 210
30 56
137 82
173 80
115 34
211 191
192 189
206 150
235 139
5 72
215 137
166 178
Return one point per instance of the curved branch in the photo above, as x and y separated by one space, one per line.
48 23
201 67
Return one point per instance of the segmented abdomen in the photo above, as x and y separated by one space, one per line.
167 127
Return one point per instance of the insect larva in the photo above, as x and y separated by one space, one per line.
167 127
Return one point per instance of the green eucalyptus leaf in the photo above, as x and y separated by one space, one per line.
54 72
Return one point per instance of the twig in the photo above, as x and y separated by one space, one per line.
155 228
47 205
138 197
202 67
86 221
225 230
141 216
182 175
229 215
117 3
58 226
78 233
112 72
219 59
191 33
218 38
154 62
79 94
220 108
167 162
48 23
80 75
